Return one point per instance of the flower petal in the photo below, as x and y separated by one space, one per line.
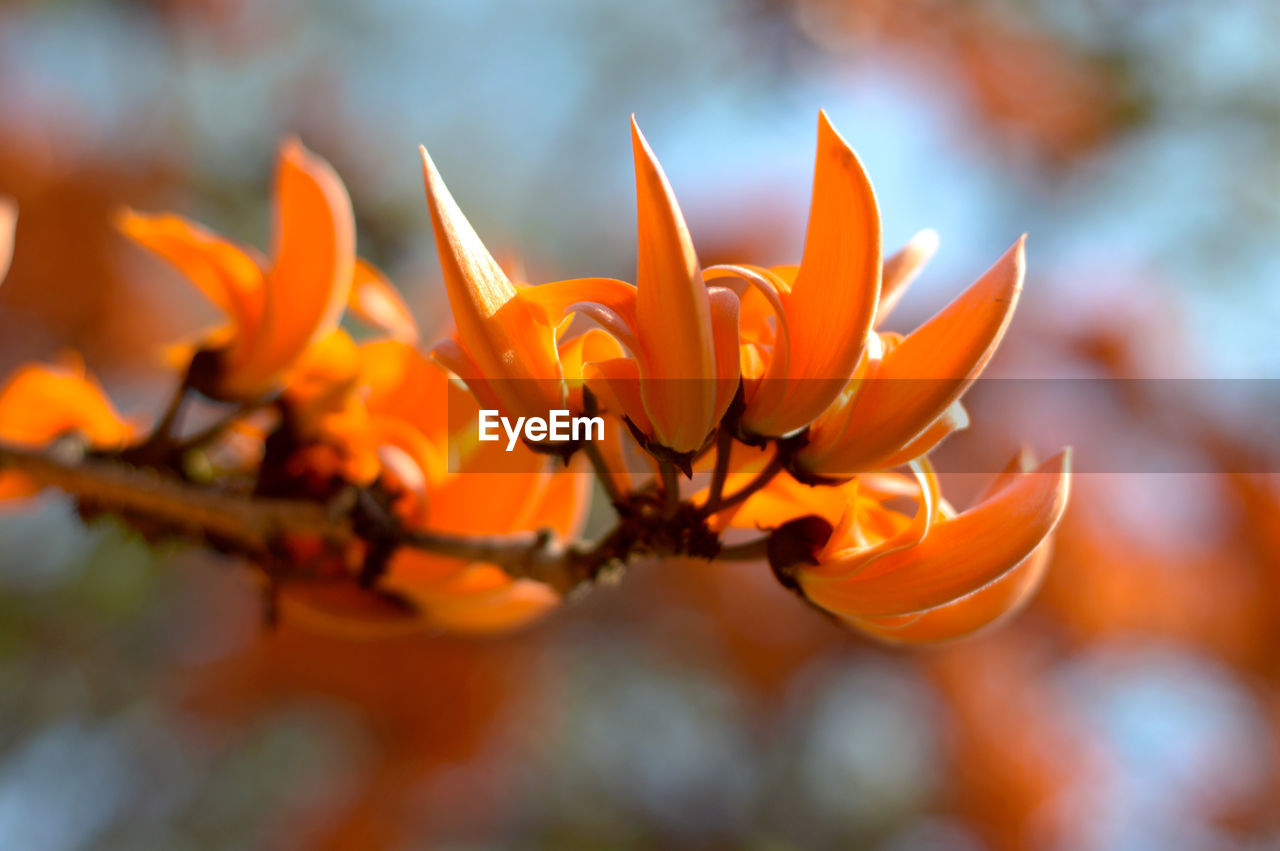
313 265
229 276
673 313
903 268
40 402
833 301
953 419
376 302
995 602
959 556
505 337
919 378
617 384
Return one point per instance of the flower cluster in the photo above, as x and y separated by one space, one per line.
774 391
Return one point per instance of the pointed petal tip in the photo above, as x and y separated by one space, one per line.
430 173
437 191
926 242
1061 462
640 146
291 150
824 123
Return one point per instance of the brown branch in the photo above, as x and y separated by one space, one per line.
252 524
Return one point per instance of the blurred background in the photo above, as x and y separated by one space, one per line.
1135 704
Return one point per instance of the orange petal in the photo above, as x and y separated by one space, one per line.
313 266
505 337
903 268
561 506
760 347
959 556
919 378
673 313
404 384
375 301
228 275
609 302
724 329
617 384
833 301
8 224
993 602
325 372
984 607
38 403
953 419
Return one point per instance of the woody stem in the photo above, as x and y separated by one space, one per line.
253 526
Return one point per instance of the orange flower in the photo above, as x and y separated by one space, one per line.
274 311
796 365
406 418
40 403
936 576
683 335
904 396
504 348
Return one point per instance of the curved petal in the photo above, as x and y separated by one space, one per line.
833 301
376 302
996 601
610 302
227 274
953 419
312 269
404 384
920 377
903 268
505 337
724 331
40 402
765 289
959 556
673 313
617 384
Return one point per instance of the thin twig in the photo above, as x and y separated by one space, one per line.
773 468
254 525
670 488
163 431
215 429
724 447
251 524
603 473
